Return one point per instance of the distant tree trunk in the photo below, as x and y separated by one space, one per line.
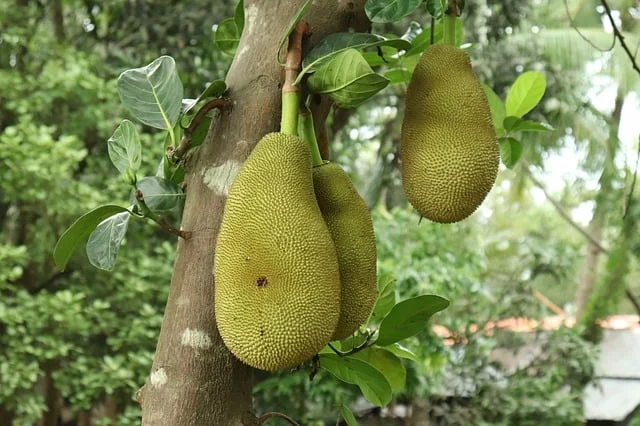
6 416
589 273
195 381
51 400
84 418
57 19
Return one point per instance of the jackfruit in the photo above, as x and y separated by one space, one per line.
349 222
448 149
277 283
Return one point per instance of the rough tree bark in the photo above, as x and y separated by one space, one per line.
194 379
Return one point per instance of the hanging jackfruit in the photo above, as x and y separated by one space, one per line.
449 150
277 284
349 222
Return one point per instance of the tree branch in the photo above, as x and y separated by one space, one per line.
561 211
619 36
146 211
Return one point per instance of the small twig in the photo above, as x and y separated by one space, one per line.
315 366
355 349
146 211
619 35
582 36
263 418
175 154
432 32
633 184
562 213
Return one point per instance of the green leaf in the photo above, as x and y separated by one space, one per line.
386 297
213 90
339 42
159 194
372 383
497 107
200 132
153 94
348 79
510 151
227 36
294 21
420 43
104 242
525 93
402 352
381 11
348 416
238 17
387 363
124 147
408 318
436 7
79 231
398 76
515 124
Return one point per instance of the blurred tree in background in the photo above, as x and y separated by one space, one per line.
76 345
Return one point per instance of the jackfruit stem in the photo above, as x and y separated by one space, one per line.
291 93
308 134
450 29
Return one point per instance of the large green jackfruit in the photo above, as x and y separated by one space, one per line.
449 150
277 284
347 216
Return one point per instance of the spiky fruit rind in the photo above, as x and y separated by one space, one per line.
449 151
277 285
351 228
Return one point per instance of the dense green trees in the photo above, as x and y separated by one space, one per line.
78 344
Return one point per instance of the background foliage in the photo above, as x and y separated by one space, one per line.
80 342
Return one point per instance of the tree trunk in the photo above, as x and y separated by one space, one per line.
84 418
52 401
589 272
6 416
194 379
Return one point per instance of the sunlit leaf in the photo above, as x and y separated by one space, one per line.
348 416
386 297
498 111
227 36
525 93
402 352
153 94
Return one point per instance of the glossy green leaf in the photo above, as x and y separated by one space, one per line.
238 16
104 242
79 231
214 90
387 363
515 124
339 42
348 416
372 383
525 93
381 11
498 111
347 79
402 352
292 24
386 297
153 94
159 194
124 147
510 151
227 36
408 318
